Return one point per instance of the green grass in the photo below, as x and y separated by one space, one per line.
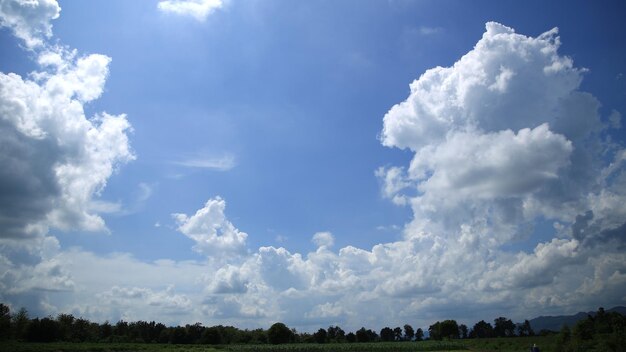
517 344
514 344
99 347
353 347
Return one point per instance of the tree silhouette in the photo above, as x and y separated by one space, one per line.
279 333
419 334
482 329
386 334
409 333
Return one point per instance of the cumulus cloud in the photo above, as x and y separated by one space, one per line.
57 160
502 139
29 19
325 239
213 233
197 9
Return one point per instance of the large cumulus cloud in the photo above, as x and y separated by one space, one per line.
55 159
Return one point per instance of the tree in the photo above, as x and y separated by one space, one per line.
434 331
419 334
106 330
397 331
450 329
336 334
44 330
178 335
563 340
20 322
279 333
463 331
366 335
66 328
524 329
351 337
212 336
320 336
386 334
5 322
482 329
409 333
503 327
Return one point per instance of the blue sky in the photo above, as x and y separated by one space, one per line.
267 161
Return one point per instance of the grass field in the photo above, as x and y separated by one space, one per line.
518 344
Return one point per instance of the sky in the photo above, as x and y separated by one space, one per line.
316 163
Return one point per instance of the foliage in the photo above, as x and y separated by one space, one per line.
409 333
482 329
602 332
279 333
446 329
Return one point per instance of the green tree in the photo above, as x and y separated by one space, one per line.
336 334
563 340
212 336
525 329
409 333
279 333
19 323
503 327
320 336
386 334
463 331
450 329
482 329
434 331
419 334
66 326
366 335
5 322
397 332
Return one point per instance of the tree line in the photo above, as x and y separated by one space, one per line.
604 331
65 327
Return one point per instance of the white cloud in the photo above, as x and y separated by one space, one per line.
60 159
213 233
198 9
325 239
615 119
223 163
425 30
29 19
502 164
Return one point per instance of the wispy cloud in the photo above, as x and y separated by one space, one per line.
425 30
198 9
222 163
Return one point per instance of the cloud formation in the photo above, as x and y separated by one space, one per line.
56 160
197 9
213 233
506 149
223 163
29 19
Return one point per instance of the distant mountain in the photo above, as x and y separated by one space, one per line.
556 323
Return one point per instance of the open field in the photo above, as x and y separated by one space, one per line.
518 344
